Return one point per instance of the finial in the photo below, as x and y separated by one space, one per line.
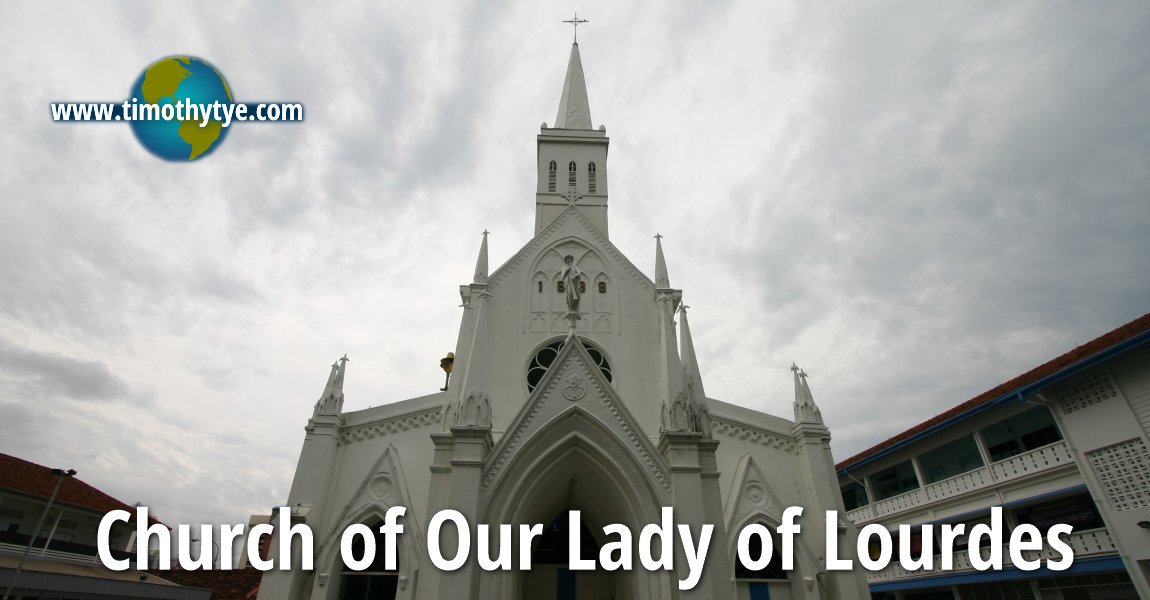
683 307
344 359
576 21
803 374
486 233
794 368
658 236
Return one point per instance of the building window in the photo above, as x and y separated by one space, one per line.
560 286
571 169
375 581
774 569
1022 432
1077 510
602 287
551 173
893 481
955 458
582 286
546 355
540 286
854 495
591 178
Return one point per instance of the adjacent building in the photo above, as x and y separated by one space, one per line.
62 563
1066 442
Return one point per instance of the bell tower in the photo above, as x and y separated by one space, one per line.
572 157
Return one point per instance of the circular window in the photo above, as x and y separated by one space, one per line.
546 355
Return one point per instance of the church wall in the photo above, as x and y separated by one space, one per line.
633 329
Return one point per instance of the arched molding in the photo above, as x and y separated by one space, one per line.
383 487
577 461
752 500
547 311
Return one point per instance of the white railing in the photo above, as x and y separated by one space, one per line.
1027 463
1039 459
41 554
1083 543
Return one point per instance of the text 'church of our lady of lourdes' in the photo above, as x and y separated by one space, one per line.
571 391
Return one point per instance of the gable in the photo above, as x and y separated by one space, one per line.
751 496
383 486
571 223
574 383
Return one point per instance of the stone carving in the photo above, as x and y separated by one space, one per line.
571 276
757 495
679 416
475 411
424 418
381 487
743 431
574 387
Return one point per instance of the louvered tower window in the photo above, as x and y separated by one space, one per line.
551 169
591 178
571 170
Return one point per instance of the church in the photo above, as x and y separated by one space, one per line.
574 386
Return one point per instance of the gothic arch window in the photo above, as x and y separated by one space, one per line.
375 581
551 173
571 170
546 355
590 178
774 569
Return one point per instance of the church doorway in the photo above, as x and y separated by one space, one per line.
576 463
550 577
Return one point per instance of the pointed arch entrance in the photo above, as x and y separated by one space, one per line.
575 462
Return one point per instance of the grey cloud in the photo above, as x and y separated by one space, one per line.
915 202
43 376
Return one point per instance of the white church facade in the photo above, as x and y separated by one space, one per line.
575 386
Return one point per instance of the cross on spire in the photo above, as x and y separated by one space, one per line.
576 21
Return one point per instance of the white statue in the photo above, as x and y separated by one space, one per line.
571 279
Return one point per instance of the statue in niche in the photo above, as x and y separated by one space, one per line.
571 276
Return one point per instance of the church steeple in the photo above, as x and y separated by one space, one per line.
572 156
574 109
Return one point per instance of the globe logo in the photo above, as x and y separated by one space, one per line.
173 81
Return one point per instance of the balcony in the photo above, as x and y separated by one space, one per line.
1091 542
15 544
1020 465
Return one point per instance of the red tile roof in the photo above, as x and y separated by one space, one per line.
1107 340
240 584
30 478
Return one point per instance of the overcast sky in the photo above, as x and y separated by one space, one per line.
914 200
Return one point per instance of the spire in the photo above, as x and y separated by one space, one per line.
662 281
805 409
481 262
574 110
331 401
692 378
466 402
